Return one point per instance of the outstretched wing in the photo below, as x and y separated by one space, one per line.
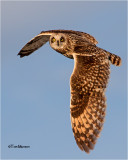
35 44
44 36
88 102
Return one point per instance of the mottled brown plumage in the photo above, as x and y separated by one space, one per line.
87 83
88 102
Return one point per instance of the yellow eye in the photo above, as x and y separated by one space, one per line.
53 40
62 39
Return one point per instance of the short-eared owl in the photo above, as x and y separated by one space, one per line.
88 81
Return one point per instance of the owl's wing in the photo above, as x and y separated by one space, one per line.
88 102
44 36
35 44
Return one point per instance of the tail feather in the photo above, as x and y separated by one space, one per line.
114 59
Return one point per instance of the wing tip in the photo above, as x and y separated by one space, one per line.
21 54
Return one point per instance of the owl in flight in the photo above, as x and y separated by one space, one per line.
88 81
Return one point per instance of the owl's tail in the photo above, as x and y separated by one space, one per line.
114 59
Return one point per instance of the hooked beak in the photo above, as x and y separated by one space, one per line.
57 43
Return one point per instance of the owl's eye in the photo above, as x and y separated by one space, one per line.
53 40
62 39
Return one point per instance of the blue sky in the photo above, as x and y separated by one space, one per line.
35 89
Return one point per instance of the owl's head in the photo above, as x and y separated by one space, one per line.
58 41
